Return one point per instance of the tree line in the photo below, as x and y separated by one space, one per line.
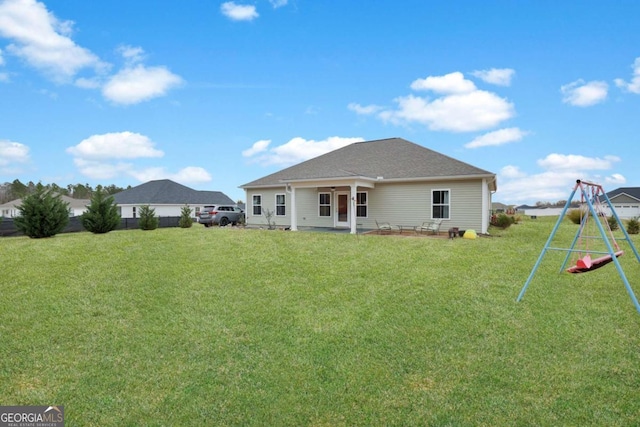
17 190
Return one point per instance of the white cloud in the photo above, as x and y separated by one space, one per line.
577 162
88 83
299 149
257 147
13 152
42 40
102 170
117 145
460 106
131 54
4 77
466 112
1 58
581 94
634 85
132 85
278 3
615 179
498 137
511 171
100 157
496 76
364 109
557 179
238 12
451 83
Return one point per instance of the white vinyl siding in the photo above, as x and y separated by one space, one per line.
268 203
407 204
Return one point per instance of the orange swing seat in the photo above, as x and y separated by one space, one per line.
586 264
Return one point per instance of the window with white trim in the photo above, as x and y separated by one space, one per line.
280 205
256 200
324 204
361 204
440 204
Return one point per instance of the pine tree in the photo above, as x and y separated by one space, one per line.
148 218
185 217
42 214
102 214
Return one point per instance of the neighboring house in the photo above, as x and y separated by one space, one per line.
625 200
76 207
539 210
497 208
391 180
167 198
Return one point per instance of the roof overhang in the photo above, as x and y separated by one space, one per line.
491 179
366 181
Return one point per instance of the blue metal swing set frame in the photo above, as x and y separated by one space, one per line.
610 256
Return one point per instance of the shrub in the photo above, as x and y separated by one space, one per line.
185 217
102 213
575 215
148 218
502 221
613 224
42 214
633 226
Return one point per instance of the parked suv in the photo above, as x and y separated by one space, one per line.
220 215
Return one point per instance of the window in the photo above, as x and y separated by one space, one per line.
361 205
257 204
280 205
440 204
324 203
134 211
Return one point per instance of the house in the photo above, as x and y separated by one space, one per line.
391 180
167 198
536 211
626 201
76 207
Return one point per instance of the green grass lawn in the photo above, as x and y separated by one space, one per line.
210 326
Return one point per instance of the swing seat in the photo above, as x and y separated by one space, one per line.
586 264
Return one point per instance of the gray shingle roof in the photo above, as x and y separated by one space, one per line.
167 192
629 191
393 158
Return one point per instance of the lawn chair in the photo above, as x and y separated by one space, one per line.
386 228
432 227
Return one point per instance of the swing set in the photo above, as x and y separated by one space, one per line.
591 212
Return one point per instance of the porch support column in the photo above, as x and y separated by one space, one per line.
294 211
352 200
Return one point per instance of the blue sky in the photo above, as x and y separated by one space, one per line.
215 94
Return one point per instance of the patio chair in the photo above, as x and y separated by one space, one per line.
429 227
385 227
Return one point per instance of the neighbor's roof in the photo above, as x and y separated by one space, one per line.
391 159
167 192
633 192
73 203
